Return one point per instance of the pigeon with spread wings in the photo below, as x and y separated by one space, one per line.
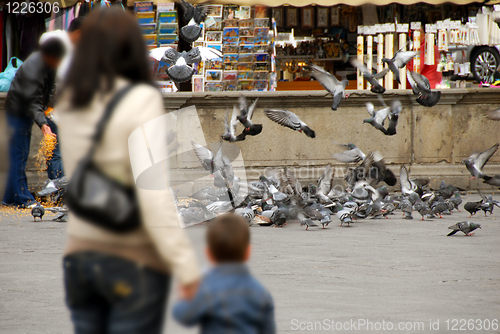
179 69
377 117
214 163
290 120
399 60
245 117
422 88
476 161
330 83
230 127
370 77
352 155
193 17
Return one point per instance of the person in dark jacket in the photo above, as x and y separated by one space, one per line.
26 101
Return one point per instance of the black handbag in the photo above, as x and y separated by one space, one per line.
94 196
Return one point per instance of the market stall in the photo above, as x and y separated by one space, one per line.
269 48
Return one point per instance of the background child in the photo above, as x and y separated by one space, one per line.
229 299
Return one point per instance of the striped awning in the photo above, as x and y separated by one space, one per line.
298 3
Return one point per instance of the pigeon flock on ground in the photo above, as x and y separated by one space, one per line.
278 197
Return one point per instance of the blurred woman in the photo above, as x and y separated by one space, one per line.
117 283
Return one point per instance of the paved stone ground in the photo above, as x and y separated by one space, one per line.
391 269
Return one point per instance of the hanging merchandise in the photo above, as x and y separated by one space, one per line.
8 75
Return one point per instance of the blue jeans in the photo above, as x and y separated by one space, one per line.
54 165
16 190
112 295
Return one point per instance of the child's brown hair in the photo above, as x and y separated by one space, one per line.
228 237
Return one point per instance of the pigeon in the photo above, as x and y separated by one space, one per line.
466 227
219 207
344 214
247 212
488 203
399 60
230 127
290 120
476 161
293 182
62 213
396 108
193 17
446 191
407 208
455 201
37 212
373 170
494 115
179 69
370 77
306 221
275 216
214 163
245 117
473 207
421 87
352 155
422 208
205 194
192 215
275 193
492 180
439 207
407 185
330 83
377 118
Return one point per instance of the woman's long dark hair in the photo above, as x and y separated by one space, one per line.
111 46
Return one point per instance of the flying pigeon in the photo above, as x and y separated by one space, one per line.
330 83
373 170
193 16
230 127
370 77
476 161
492 180
214 163
466 227
399 60
396 108
377 118
290 120
37 212
245 117
422 88
494 115
352 155
179 69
